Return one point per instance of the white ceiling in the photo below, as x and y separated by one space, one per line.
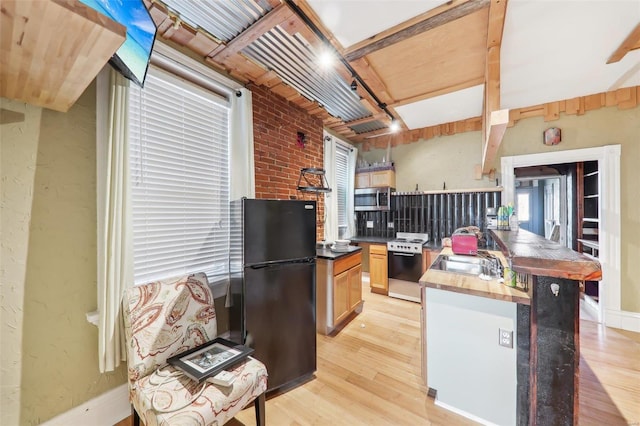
352 21
551 50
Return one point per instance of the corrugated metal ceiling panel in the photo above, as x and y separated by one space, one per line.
292 58
368 127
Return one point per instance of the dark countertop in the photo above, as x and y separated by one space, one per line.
332 255
536 255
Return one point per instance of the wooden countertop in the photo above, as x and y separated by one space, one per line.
533 254
468 284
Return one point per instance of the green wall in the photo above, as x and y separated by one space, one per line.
55 355
451 159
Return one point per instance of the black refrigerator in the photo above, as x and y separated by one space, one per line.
273 252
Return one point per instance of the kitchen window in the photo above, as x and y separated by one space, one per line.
179 160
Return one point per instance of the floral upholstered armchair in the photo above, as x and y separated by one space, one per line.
165 318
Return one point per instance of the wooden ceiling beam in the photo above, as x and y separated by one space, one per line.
494 122
630 43
497 125
274 17
427 21
449 89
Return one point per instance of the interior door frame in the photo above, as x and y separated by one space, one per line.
608 158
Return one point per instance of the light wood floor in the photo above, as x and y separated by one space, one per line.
369 374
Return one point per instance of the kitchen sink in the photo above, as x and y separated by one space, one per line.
469 265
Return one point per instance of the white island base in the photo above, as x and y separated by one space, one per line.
473 375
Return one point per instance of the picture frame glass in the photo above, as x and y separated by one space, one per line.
209 358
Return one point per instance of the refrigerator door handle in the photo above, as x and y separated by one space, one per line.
261 266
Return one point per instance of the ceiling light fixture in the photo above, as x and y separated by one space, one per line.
293 6
326 59
395 126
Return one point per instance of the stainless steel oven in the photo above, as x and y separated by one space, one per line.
405 265
372 199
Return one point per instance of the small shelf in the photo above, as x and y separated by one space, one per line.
592 196
591 219
591 174
54 50
315 179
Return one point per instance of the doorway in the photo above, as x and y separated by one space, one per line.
608 158
544 202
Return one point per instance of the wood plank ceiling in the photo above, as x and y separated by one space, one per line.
452 47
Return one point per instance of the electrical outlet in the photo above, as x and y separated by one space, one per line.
390 225
506 338
369 224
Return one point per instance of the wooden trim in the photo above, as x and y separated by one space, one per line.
622 98
267 22
631 42
425 22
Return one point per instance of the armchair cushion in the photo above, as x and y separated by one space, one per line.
215 405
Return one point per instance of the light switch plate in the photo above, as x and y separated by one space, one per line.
369 224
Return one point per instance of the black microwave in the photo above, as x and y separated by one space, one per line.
372 199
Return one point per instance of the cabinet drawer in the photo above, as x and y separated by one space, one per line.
347 262
378 249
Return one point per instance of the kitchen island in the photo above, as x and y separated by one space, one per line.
536 382
338 287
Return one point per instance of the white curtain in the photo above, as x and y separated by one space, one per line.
351 184
242 159
115 248
330 198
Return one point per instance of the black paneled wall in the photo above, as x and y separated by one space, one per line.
435 214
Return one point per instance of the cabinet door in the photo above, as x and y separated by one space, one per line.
362 180
378 278
355 286
340 297
383 178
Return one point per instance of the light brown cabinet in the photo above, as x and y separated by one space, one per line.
376 179
355 287
428 256
378 273
338 290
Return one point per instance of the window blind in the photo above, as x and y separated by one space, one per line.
342 159
179 157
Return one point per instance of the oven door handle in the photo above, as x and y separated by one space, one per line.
403 254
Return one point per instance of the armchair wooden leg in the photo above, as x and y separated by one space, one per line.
259 404
135 417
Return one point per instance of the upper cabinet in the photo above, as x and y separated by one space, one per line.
376 178
51 50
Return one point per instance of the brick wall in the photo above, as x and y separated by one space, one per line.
278 158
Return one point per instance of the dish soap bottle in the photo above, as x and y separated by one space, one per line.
513 222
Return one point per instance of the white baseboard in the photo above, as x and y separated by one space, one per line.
106 409
463 413
625 320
